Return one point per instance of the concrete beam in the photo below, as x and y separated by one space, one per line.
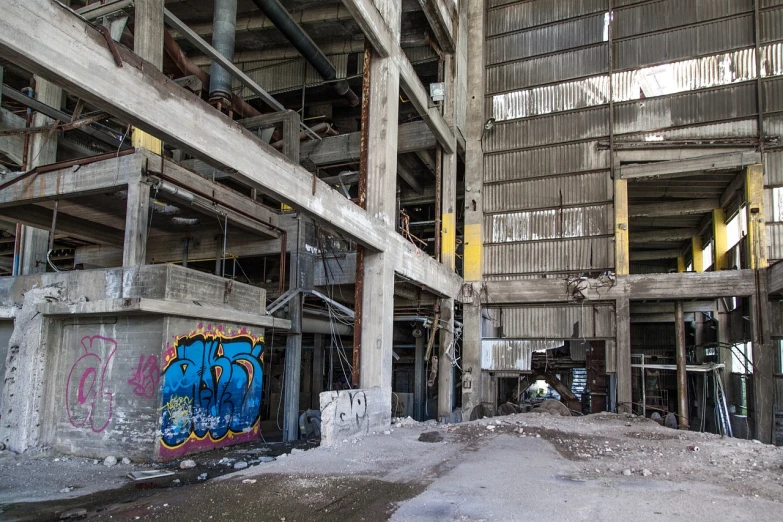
441 15
386 45
674 208
668 308
69 182
41 218
654 255
76 55
412 137
655 236
691 166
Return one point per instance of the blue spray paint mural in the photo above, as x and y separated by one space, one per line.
211 394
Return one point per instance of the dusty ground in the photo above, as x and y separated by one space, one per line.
521 467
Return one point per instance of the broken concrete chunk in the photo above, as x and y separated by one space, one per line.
646 472
431 436
126 460
240 465
187 464
249 481
74 513
202 477
627 472
110 461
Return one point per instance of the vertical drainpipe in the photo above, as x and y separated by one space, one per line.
224 27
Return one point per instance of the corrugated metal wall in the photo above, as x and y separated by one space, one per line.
682 69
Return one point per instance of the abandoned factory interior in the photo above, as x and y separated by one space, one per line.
369 259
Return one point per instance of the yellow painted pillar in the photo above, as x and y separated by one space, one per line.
720 239
697 248
148 44
681 264
472 252
448 241
142 140
622 257
754 207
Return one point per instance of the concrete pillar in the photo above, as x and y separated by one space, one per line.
148 44
445 357
419 388
42 151
378 295
720 238
622 256
474 211
623 349
134 250
682 374
697 253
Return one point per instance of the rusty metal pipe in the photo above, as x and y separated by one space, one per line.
188 68
362 202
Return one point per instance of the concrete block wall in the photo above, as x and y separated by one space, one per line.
349 414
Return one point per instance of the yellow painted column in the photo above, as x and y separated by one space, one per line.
681 264
754 207
720 239
622 257
697 248
448 241
142 140
472 252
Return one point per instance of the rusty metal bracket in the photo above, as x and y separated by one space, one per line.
110 42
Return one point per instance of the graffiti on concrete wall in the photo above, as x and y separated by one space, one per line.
88 400
211 392
350 415
145 380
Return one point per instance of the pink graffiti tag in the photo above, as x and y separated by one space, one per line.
146 378
86 396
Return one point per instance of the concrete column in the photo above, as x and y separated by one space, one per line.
720 238
474 211
697 253
148 44
134 251
318 370
445 356
378 295
622 256
764 364
682 374
419 388
623 364
42 151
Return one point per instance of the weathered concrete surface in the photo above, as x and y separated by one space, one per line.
23 385
349 414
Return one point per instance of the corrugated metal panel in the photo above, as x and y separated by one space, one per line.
548 224
775 240
772 60
548 192
281 76
548 130
551 98
549 69
540 257
523 15
773 95
773 168
420 54
668 14
773 125
544 40
564 159
771 25
574 321
611 357
686 109
709 38
732 129
510 355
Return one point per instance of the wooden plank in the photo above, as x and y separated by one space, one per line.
687 167
92 178
671 234
674 208
38 217
412 137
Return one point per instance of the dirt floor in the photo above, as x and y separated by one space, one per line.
519 467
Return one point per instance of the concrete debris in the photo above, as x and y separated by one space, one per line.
249 481
387 432
553 407
646 472
176 482
66 490
431 436
110 461
240 465
202 477
187 464
126 461
627 472
297 450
